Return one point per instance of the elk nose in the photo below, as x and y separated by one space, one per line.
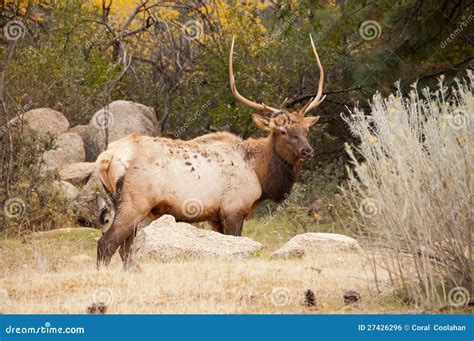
306 152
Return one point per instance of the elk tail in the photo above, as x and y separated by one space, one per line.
112 164
105 170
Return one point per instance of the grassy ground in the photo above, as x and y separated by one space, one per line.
40 274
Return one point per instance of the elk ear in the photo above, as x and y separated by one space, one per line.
261 122
309 121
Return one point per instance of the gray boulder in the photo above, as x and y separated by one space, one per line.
44 121
68 191
80 129
316 243
87 201
115 121
165 239
69 149
77 172
91 188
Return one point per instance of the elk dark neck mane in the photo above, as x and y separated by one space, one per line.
276 175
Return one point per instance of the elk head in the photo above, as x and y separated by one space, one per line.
105 213
288 129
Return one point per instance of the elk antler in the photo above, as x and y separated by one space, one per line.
239 97
313 103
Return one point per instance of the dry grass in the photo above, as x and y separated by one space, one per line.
39 276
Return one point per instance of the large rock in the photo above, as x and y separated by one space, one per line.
119 119
314 243
87 200
45 121
77 172
68 191
69 149
80 129
166 239
91 188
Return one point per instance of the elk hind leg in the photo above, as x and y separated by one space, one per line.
127 217
125 252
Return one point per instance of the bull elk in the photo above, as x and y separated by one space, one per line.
217 177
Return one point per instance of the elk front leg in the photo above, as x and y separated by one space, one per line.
123 227
233 224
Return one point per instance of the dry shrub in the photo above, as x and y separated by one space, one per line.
413 190
28 201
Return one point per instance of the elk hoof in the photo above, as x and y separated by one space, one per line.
131 266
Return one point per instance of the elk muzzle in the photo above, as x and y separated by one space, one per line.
306 152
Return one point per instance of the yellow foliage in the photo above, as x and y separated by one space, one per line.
37 16
124 8
238 18
120 8
168 13
22 5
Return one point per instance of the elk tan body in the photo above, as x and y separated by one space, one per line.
199 180
216 177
